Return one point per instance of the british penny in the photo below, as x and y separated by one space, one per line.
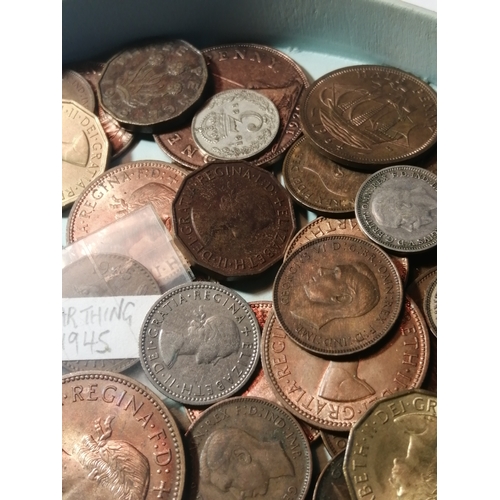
370 116
396 208
246 448
119 138
337 295
235 124
148 86
85 150
117 436
247 66
199 343
332 394
331 484
106 275
392 450
122 190
318 183
233 219
325 226
76 88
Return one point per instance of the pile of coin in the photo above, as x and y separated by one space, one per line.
229 398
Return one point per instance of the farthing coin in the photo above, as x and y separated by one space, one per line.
117 436
85 150
199 343
122 190
337 295
149 86
257 67
245 448
395 445
235 124
234 219
106 275
370 116
333 393
396 208
76 88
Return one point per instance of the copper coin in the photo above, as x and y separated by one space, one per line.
199 343
396 207
119 138
370 116
337 295
148 86
392 450
106 275
117 436
335 441
234 219
323 226
333 394
331 484
122 190
76 88
246 448
318 183
247 66
85 150
261 309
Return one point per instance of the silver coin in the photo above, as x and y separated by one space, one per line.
106 275
430 306
235 124
199 343
397 208
76 88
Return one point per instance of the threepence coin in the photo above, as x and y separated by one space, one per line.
234 219
85 150
122 190
331 484
337 295
392 450
235 124
370 116
148 86
247 66
118 438
247 448
333 393
106 275
199 343
76 88
396 207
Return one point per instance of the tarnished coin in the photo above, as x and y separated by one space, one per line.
331 484
335 441
318 183
392 451
337 295
251 66
148 86
85 150
324 226
234 219
235 124
122 190
106 275
430 306
333 394
199 343
118 438
370 116
76 88
418 290
246 448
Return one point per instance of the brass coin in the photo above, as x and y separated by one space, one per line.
337 295
247 448
76 88
370 116
148 86
118 436
85 150
395 446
